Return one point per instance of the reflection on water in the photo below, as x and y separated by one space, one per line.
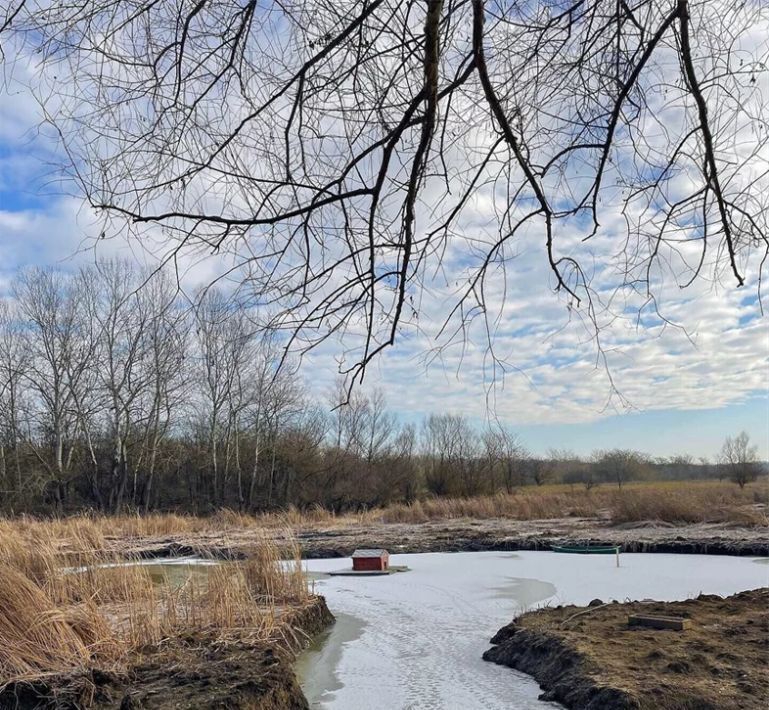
316 666
762 561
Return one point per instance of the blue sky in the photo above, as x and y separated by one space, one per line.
664 433
675 392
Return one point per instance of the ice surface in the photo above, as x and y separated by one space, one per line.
414 640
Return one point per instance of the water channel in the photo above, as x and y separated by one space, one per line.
415 639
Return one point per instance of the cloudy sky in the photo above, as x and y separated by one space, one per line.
664 388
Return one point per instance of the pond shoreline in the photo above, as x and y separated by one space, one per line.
273 677
468 535
455 602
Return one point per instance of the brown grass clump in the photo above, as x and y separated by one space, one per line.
272 579
35 636
687 504
66 604
678 502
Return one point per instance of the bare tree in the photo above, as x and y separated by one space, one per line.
13 364
224 337
505 455
453 452
336 149
166 371
61 349
122 320
620 465
402 474
739 459
272 388
539 470
282 401
379 426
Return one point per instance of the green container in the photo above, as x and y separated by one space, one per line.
588 550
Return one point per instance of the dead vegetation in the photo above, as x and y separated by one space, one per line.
675 503
684 502
669 502
67 604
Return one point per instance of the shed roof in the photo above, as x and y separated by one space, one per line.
370 553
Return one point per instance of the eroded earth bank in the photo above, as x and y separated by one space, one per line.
589 658
467 535
193 671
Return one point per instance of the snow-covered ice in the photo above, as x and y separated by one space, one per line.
414 640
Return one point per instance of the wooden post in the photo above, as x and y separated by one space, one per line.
618 557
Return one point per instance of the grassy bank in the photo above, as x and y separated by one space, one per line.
589 657
67 606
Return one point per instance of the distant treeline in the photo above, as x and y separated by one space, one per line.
116 394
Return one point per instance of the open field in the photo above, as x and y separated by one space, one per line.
671 502
589 658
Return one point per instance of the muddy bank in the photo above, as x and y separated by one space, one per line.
589 659
196 671
466 535
499 535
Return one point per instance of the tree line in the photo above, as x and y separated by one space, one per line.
116 393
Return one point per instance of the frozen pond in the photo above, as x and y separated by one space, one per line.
414 640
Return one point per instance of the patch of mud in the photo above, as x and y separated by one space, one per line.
589 659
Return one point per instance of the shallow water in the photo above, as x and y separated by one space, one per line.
179 572
316 666
415 640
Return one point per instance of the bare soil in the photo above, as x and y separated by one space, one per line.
590 659
468 535
192 672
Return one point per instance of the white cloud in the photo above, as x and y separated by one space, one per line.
551 369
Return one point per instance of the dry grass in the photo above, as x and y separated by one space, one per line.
35 635
692 504
66 604
679 502
674 502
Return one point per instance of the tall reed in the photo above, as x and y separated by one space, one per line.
66 603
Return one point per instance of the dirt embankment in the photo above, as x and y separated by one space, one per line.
190 672
590 659
466 535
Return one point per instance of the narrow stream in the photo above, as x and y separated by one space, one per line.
414 640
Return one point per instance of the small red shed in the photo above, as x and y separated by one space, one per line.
370 560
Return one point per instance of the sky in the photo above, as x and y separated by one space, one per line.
655 387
